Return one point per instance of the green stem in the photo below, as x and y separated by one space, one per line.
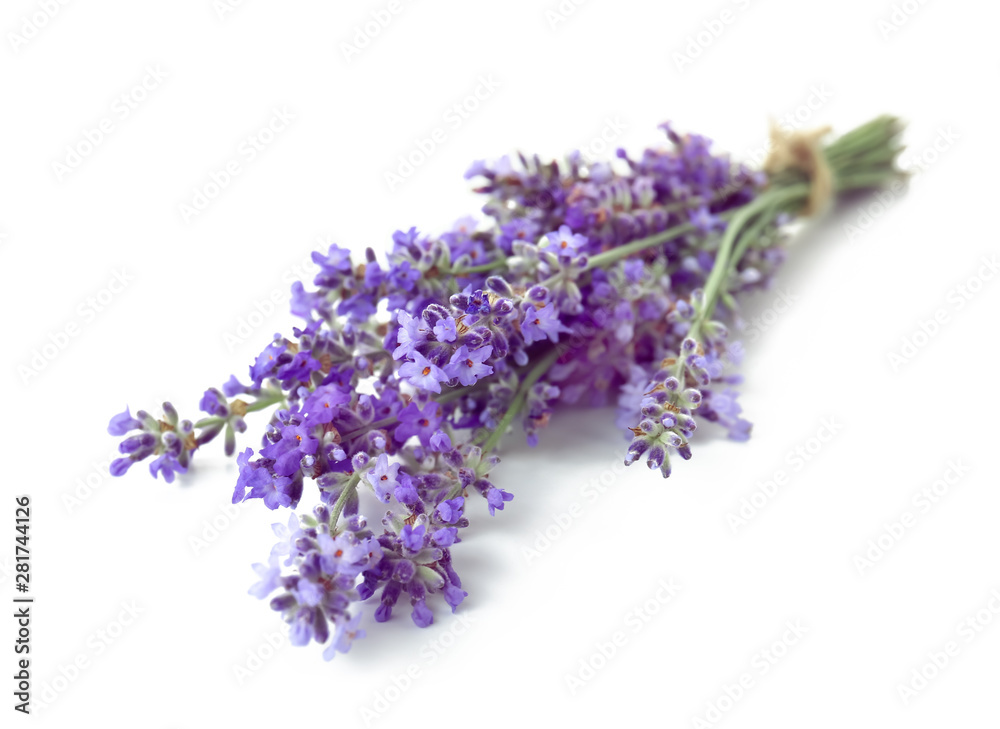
615 254
481 268
338 506
253 407
455 393
371 426
454 491
522 394
750 236
863 158
771 199
265 402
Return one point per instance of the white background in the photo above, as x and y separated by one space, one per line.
857 294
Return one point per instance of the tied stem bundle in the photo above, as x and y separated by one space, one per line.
800 151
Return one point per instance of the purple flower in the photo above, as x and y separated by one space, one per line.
519 229
419 422
564 241
287 536
308 593
412 331
406 490
422 615
139 446
477 168
633 268
300 369
374 275
383 477
739 430
454 595
450 511
214 402
423 373
465 225
345 555
403 276
296 441
274 490
167 465
346 633
267 362
496 498
412 537
390 593
475 303
538 324
301 630
233 387
334 266
359 307
303 302
122 423
445 536
704 221
120 465
250 475
269 574
468 366
445 330
321 405
440 442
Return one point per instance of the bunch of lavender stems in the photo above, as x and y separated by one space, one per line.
588 282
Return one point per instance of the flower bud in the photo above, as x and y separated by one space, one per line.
499 285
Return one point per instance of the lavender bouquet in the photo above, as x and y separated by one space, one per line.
586 282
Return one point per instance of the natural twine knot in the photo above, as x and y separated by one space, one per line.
801 151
